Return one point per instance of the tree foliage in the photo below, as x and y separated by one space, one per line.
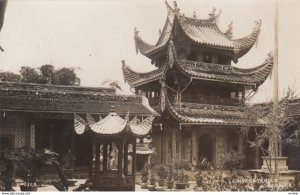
45 74
29 75
269 126
65 76
9 77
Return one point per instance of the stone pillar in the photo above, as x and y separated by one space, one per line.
194 144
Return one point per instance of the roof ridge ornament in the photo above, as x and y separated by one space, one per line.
257 26
176 9
194 15
229 31
213 16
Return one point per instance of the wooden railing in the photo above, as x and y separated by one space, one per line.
210 100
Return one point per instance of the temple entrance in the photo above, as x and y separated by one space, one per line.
206 147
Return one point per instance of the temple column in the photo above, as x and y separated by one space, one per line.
97 165
51 136
32 136
256 163
173 145
120 163
105 156
240 147
166 147
133 157
179 140
194 144
126 159
72 143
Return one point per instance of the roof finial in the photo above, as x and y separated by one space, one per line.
258 24
136 31
123 62
113 109
212 14
176 7
194 15
229 31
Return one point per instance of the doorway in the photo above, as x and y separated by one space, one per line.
205 147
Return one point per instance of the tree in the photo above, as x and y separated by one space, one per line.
259 119
9 77
46 73
29 75
65 76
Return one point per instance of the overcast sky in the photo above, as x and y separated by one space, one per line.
96 35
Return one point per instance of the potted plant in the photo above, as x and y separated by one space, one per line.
68 164
181 181
152 183
170 178
162 174
201 164
29 164
145 174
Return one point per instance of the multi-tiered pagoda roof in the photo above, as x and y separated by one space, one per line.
203 32
202 35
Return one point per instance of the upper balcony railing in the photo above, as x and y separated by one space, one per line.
200 99
210 100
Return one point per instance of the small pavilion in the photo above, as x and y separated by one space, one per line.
114 148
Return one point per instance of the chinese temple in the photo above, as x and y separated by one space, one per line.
46 116
195 87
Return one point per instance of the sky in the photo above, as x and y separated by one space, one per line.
94 36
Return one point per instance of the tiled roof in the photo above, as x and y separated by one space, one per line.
220 115
135 79
204 71
294 108
254 76
59 99
113 124
200 31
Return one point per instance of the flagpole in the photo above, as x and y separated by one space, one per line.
278 147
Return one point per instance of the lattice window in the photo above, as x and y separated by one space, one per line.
19 135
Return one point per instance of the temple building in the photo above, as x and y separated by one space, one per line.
46 116
196 89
